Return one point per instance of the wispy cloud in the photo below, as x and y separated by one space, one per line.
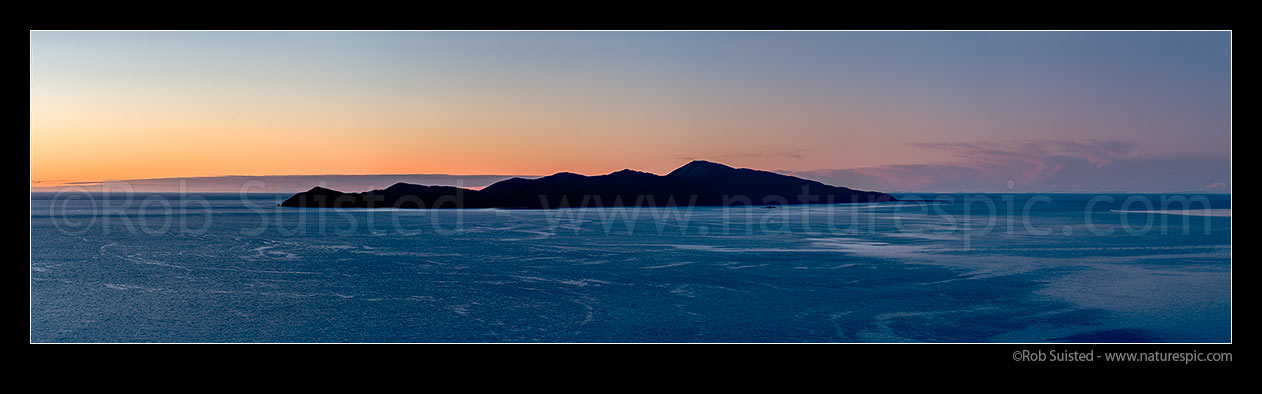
1040 166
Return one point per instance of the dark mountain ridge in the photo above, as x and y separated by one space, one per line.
699 183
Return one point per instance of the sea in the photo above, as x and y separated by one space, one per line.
1010 268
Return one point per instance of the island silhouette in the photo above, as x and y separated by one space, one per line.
698 183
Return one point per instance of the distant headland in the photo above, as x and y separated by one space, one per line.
699 183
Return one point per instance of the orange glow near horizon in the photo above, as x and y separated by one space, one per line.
74 139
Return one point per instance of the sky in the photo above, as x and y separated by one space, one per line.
889 111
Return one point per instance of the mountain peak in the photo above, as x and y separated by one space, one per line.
697 168
563 175
400 185
628 171
704 163
321 190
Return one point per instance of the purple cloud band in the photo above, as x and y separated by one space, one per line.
1040 166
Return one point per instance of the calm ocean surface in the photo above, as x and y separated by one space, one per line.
963 268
